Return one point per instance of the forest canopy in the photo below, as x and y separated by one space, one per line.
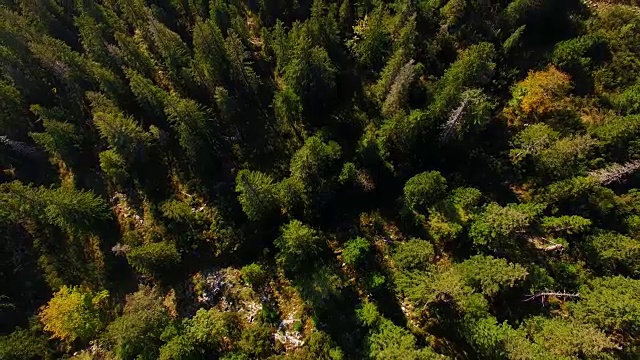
326 179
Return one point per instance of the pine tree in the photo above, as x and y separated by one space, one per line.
299 247
473 68
193 125
174 53
137 332
257 194
60 138
11 109
371 42
210 64
498 227
122 133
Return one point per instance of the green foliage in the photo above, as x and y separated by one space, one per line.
514 39
311 75
299 247
404 49
288 109
612 251
74 211
113 165
192 123
442 285
202 335
320 287
23 345
257 342
12 105
376 281
489 338
368 314
122 133
136 333
256 193
147 94
621 311
415 254
473 68
371 41
477 108
490 275
498 226
211 126
320 346
575 55
154 259
253 274
552 157
209 54
59 138
389 341
567 339
627 101
314 161
424 190
314 172
356 251
618 25
565 224
173 51
348 173
466 201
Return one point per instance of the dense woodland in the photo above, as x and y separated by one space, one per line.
327 179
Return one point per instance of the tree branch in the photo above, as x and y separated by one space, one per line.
544 244
543 296
615 172
455 118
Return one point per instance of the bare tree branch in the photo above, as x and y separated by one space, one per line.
615 172
455 118
545 244
398 91
543 296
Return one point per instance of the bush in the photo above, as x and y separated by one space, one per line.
23 345
376 281
253 274
257 342
415 254
355 251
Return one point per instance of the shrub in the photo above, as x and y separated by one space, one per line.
355 251
253 274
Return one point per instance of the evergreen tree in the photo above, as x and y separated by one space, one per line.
163 144
137 332
256 193
424 190
299 247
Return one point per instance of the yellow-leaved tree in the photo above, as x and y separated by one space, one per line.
74 314
538 95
